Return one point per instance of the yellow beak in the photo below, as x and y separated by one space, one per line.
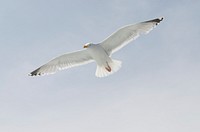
85 46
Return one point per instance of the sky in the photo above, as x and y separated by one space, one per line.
156 90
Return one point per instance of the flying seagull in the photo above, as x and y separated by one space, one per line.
100 53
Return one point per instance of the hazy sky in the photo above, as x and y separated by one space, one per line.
156 90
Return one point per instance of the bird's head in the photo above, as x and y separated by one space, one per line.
87 45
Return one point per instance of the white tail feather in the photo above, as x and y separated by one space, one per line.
101 71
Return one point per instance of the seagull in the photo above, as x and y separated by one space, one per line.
99 53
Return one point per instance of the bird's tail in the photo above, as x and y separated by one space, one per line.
108 69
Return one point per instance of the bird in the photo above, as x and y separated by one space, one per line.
100 53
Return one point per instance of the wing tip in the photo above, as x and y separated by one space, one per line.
35 73
157 20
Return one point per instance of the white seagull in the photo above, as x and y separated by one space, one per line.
100 53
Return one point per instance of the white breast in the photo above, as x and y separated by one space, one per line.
98 54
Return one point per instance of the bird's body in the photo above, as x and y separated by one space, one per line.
105 64
100 53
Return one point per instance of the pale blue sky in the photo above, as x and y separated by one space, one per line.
156 90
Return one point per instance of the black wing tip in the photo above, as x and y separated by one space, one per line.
157 20
35 72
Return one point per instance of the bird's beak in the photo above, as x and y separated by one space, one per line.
85 46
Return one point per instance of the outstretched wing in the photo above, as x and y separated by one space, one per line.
63 62
126 34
